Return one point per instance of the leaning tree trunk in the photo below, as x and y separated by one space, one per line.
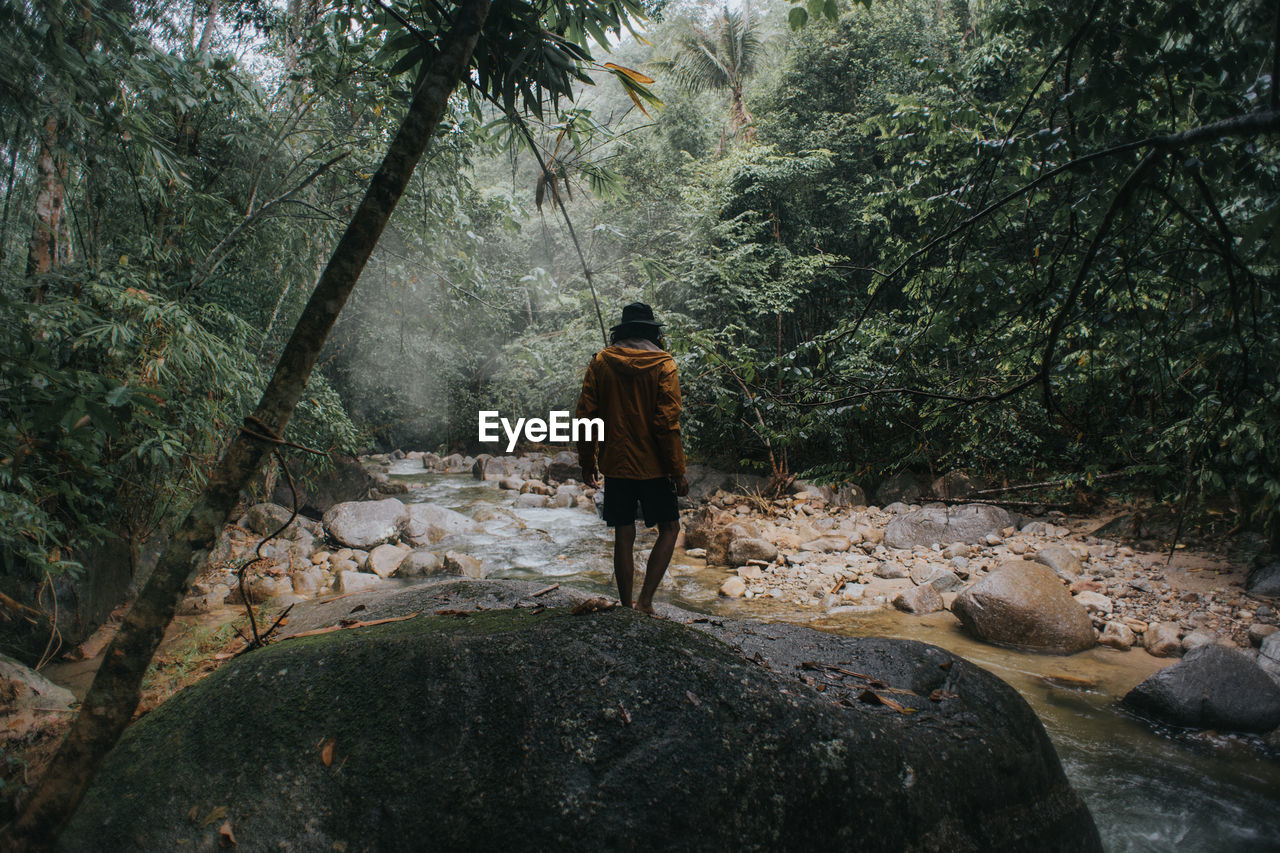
115 692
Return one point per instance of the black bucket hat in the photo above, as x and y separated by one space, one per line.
637 312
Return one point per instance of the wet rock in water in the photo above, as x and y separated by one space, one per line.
385 559
834 542
464 565
935 525
1161 640
919 600
1212 687
1024 605
366 524
1264 580
419 563
513 484
561 500
350 730
564 466
902 486
743 550
429 524
1117 635
529 500
734 587
308 581
536 487
1059 558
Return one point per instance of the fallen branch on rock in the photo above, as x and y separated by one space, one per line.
329 630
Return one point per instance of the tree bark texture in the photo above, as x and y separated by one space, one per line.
49 245
115 692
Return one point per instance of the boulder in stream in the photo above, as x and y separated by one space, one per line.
1212 687
429 523
366 524
498 732
933 525
1024 605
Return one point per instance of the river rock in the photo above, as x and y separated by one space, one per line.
901 487
1095 602
918 600
348 582
1212 687
934 525
1024 605
365 524
1269 656
1059 558
564 466
562 500
1117 635
428 524
834 542
335 480
265 519
743 550
890 570
307 581
1264 580
23 689
419 563
385 559
953 484
734 587
1197 638
513 484
529 500
464 565
545 754
1161 640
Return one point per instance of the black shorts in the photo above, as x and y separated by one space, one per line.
657 499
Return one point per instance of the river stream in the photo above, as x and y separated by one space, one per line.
1147 791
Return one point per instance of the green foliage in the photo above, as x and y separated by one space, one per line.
118 403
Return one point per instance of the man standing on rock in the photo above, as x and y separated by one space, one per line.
632 385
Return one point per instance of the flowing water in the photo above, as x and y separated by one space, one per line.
1148 791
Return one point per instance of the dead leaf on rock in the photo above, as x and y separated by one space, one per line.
940 694
226 837
693 698
220 813
871 697
593 605
326 751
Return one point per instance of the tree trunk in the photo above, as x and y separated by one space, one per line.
44 251
115 692
210 24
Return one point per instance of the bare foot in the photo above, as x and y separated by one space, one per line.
647 608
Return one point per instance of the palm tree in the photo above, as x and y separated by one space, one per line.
720 57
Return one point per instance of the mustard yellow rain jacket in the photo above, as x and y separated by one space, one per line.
637 393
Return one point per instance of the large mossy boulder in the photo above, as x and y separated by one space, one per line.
525 729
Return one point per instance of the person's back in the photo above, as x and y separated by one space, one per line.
632 385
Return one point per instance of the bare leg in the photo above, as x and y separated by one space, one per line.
624 567
659 559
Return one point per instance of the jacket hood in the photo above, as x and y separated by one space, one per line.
633 361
